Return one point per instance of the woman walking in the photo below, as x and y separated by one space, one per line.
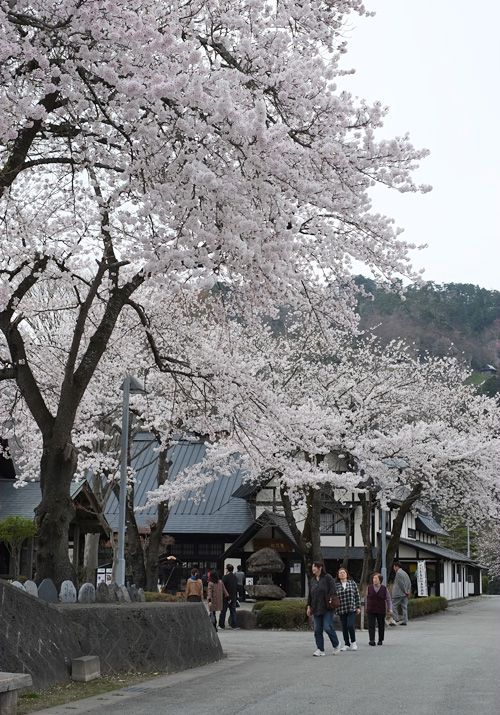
321 588
348 593
194 587
378 603
215 596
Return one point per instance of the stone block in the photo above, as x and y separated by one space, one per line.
86 668
86 594
18 584
10 683
47 591
31 588
67 594
246 619
123 595
103 594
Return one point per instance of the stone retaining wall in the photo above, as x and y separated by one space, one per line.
41 639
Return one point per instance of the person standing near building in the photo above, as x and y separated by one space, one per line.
215 596
378 603
401 591
194 587
348 593
231 586
321 587
240 578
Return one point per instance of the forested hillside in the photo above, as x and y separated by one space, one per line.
457 318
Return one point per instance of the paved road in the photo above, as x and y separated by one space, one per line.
446 664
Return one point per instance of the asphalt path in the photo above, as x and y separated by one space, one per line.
443 664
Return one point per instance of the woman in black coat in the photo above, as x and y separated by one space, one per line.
321 588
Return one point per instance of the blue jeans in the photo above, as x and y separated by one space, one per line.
324 623
232 614
348 620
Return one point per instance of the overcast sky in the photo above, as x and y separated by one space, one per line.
436 64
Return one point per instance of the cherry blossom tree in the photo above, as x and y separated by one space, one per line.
324 414
149 148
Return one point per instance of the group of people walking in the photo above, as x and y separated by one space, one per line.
327 596
222 594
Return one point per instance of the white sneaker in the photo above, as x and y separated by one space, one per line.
319 653
344 647
354 646
336 651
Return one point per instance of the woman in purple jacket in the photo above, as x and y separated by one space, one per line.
378 603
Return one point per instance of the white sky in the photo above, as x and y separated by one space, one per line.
436 64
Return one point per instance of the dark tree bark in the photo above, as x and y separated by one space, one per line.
54 514
135 552
152 546
367 503
397 525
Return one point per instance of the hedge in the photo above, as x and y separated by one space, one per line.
425 605
286 614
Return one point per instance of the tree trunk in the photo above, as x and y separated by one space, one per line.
397 524
135 551
54 514
152 547
367 502
15 557
90 557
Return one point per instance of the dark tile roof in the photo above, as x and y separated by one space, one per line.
267 518
215 511
428 525
438 551
21 501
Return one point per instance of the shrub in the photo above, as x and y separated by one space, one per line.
286 614
424 606
157 597
260 604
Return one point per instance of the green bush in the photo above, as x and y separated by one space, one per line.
424 606
286 614
260 604
156 597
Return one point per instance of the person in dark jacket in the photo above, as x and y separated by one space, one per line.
348 593
378 603
231 586
321 587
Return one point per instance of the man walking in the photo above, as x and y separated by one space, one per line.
231 586
240 578
400 594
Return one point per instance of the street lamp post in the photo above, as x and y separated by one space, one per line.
130 385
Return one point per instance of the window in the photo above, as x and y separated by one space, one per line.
331 523
412 534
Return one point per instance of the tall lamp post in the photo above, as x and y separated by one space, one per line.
130 385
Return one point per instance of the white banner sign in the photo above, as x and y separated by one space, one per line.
421 578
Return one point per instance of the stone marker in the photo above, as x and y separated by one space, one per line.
18 584
122 594
31 588
133 593
86 668
86 594
142 595
113 592
103 593
47 591
67 594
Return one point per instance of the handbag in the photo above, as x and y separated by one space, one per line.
333 602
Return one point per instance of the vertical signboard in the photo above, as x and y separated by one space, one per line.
421 579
